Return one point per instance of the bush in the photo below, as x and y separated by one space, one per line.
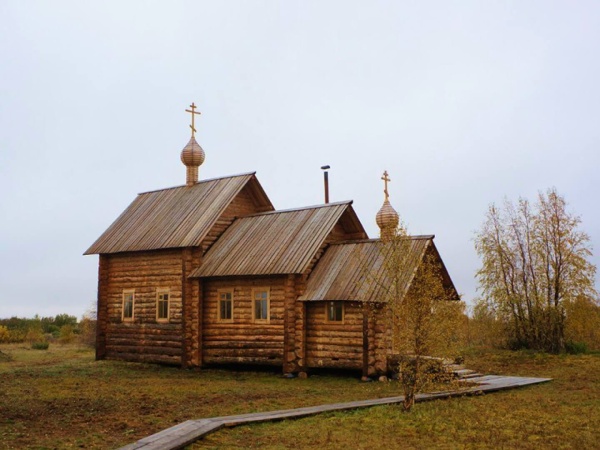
35 334
4 334
17 336
576 348
87 332
583 322
66 335
43 345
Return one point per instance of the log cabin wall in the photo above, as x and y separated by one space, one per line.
242 205
289 326
379 339
334 344
191 309
242 340
300 326
338 234
143 338
102 308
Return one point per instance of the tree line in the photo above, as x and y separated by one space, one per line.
62 328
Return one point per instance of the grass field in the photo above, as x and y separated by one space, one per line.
62 398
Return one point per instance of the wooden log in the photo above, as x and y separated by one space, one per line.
133 348
136 357
333 364
243 360
246 345
267 353
354 354
318 340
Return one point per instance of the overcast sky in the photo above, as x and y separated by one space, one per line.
462 102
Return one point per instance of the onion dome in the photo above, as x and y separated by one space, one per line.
192 156
387 217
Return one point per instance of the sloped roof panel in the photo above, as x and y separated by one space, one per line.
174 217
278 242
355 270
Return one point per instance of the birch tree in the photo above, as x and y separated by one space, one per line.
424 314
535 260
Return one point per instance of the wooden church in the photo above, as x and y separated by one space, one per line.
210 273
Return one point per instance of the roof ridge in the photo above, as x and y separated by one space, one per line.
365 241
199 182
302 208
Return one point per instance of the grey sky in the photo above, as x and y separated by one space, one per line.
462 102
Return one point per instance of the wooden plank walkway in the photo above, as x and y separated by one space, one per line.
190 431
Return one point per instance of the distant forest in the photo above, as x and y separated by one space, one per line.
63 328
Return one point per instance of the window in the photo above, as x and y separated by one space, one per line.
225 306
128 302
335 311
162 306
260 305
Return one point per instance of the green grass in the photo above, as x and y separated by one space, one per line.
62 398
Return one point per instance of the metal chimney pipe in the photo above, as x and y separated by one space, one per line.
326 181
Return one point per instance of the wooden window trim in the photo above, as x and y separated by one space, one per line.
127 292
219 318
158 293
327 319
253 299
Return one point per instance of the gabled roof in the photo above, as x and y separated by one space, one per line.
175 217
354 270
278 242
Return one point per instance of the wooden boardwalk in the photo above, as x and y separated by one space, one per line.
190 431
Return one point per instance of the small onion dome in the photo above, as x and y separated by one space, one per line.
387 218
192 156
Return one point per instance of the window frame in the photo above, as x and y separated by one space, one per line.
159 292
220 319
329 304
127 292
256 290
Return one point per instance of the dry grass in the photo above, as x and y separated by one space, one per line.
62 398
562 414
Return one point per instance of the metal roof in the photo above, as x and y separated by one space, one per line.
175 217
355 270
278 242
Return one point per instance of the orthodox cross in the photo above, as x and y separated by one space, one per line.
193 112
385 179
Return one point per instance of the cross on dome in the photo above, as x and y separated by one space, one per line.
193 112
385 179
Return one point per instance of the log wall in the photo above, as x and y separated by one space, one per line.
241 206
300 326
102 308
343 345
143 339
334 344
191 309
243 341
